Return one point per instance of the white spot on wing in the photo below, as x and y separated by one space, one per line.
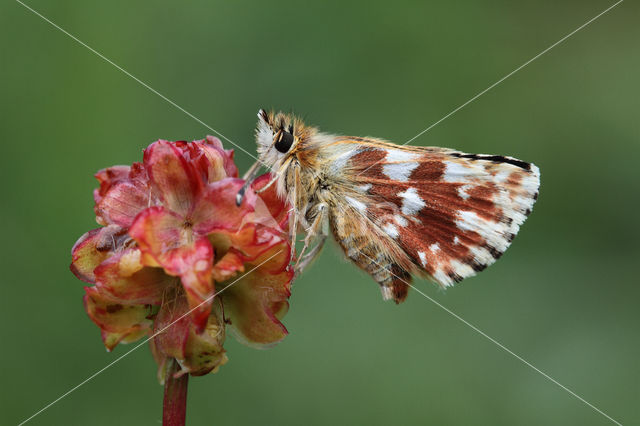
442 278
357 204
402 164
435 247
391 230
411 202
502 176
399 171
481 255
494 233
462 191
456 172
401 221
338 165
462 269
423 258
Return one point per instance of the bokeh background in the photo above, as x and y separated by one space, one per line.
564 297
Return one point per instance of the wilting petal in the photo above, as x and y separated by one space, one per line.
217 208
251 241
255 304
124 278
229 164
93 248
197 353
206 159
171 326
126 321
274 259
228 266
221 163
109 177
203 351
161 235
111 339
174 178
158 231
196 262
160 358
240 240
122 203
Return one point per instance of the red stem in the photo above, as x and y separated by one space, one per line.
174 406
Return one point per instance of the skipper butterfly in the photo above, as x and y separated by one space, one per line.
395 210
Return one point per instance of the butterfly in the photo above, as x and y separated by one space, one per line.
395 210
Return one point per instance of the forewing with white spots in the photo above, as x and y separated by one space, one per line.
436 212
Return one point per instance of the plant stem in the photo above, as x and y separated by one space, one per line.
174 406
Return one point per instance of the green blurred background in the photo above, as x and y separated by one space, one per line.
564 297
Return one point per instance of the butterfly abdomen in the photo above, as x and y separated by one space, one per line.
372 255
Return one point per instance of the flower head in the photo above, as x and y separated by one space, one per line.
176 258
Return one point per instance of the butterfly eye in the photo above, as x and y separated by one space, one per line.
284 141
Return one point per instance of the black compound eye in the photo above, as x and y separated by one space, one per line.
284 142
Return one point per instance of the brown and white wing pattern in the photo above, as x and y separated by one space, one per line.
435 212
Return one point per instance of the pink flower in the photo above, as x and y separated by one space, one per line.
172 237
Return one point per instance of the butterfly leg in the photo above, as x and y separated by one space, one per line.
316 235
293 181
268 185
302 264
293 228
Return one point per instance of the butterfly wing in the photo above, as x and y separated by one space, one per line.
436 212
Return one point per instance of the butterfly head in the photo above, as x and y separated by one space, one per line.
279 136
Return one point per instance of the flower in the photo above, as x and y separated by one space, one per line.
177 259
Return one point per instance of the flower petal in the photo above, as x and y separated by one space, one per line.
158 231
113 318
111 339
172 176
197 261
204 352
197 353
123 277
219 158
255 304
122 203
171 326
93 248
109 177
217 209
251 241
228 266
161 235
